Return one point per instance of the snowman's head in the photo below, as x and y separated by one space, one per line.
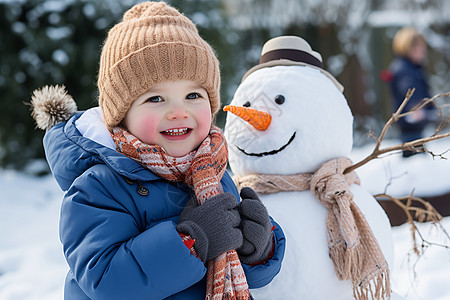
310 122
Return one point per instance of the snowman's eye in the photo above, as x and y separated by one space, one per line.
279 99
246 104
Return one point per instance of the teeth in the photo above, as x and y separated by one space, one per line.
176 131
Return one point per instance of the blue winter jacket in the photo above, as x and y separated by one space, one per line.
408 75
117 225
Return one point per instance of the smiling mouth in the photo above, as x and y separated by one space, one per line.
269 152
176 131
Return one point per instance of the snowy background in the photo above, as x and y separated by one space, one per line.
32 265
44 42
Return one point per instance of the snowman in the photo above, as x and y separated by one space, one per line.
289 131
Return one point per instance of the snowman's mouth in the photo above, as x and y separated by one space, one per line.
269 152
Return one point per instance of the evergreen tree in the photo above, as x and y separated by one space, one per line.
46 43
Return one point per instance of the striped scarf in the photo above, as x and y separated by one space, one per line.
201 169
352 245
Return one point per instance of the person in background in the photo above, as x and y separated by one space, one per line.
407 72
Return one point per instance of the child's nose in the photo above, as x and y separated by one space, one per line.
177 111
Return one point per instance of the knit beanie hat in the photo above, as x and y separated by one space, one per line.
153 43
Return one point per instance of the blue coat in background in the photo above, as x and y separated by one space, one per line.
407 75
118 225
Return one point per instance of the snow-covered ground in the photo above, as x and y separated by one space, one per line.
32 265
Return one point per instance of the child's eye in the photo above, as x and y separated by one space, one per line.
155 99
193 96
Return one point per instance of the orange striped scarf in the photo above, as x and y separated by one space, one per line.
202 169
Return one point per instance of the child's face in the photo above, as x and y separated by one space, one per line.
418 52
175 115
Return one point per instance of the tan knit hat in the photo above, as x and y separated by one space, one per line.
152 44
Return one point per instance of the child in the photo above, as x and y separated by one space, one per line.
407 72
137 168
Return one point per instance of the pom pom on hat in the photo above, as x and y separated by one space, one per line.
153 43
51 105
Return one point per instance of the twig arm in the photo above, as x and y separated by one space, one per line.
405 146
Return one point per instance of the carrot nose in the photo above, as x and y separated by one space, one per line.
258 119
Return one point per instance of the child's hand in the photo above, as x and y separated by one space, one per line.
256 228
213 225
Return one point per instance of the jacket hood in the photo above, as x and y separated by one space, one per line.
70 153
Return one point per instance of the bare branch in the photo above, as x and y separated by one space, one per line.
417 209
394 118
372 134
415 145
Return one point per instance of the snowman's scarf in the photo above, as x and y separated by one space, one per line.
352 245
202 169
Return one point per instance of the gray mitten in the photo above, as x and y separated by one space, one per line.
256 228
214 225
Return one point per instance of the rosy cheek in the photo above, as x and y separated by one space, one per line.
204 120
146 129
